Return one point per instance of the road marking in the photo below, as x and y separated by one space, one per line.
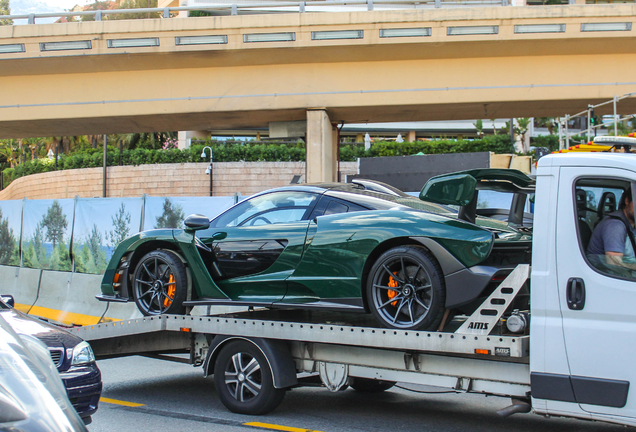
120 402
278 427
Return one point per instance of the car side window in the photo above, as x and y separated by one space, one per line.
328 205
603 227
335 207
275 207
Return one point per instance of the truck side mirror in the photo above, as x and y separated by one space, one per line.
451 190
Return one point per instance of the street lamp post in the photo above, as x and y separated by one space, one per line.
208 170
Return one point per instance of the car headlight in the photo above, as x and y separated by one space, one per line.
82 354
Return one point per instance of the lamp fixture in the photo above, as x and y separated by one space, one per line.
540 28
337 34
269 37
66 45
11 48
133 43
405 32
200 40
614 26
472 30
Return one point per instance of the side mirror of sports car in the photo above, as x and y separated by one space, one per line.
196 222
450 190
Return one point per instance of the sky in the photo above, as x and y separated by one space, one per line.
20 7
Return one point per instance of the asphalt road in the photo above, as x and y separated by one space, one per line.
176 397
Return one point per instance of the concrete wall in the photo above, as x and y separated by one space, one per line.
187 179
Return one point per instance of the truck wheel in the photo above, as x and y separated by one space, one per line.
366 385
244 380
405 289
160 283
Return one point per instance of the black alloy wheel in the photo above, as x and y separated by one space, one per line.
244 379
405 289
160 284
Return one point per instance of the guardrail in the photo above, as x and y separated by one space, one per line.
267 7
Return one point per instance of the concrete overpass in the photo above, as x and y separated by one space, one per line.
463 64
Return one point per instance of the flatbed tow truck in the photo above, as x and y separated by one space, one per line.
574 358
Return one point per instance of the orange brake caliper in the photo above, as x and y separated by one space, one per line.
171 289
391 293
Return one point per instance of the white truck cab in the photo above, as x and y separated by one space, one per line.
583 323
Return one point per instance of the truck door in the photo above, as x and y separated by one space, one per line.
597 298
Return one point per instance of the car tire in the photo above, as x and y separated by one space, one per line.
367 385
160 284
405 289
244 380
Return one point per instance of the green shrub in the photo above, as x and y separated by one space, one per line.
89 157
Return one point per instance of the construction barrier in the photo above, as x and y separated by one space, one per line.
22 284
69 298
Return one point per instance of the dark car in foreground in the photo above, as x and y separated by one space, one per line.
73 357
358 247
32 396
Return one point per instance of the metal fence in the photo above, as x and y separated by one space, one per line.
251 7
593 125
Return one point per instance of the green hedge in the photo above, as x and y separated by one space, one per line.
252 152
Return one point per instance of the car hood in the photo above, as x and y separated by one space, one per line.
50 335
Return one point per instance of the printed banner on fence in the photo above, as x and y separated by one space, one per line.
10 230
46 234
170 212
100 225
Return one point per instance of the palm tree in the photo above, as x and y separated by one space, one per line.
547 122
150 140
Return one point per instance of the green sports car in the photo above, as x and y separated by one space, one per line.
360 247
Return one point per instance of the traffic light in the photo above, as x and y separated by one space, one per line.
593 118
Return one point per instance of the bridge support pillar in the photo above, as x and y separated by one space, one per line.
322 147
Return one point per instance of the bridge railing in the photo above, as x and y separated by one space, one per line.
247 7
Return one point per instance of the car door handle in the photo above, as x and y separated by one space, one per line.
575 293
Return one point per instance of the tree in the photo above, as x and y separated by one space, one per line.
153 140
120 225
7 240
172 216
55 223
523 124
5 10
94 243
547 122
60 258
479 125
137 4
98 5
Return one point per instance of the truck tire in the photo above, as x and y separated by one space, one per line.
244 379
160 284
367 385
405 289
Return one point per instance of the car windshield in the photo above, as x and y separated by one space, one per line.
292 206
